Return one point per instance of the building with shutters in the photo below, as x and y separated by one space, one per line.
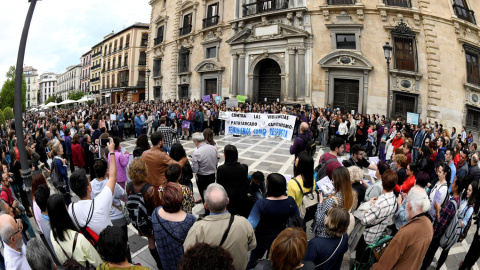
322 52
47 87
31 79
86 62
69 81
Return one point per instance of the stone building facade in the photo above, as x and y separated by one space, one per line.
47 86
69 81
322 52
96 71
31 78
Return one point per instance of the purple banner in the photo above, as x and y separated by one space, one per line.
186 124
206 98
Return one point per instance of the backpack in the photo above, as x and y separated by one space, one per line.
465 229
310 146
454 228
294 221
91 236
321 169
71 263
309 203
373 252
141 218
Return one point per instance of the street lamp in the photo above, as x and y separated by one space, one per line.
387 50
148 84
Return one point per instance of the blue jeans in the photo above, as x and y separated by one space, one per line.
192 128
138 131
166 149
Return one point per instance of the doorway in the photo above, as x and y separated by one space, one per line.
210 87
346 95
269 80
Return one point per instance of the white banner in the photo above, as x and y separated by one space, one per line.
257 124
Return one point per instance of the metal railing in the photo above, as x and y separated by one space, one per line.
158 40
142 62
141 83
185 30
398 3
210 21
341 2
464 13
144 42
264 6
124 84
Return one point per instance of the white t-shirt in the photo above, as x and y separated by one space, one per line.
101 212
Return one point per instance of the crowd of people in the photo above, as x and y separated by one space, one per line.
392 186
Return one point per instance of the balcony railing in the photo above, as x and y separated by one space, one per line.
185 30
158 40
142 63
127 45
464 13
264 6
398 3
210 21
95 79
144 42
341 2
141 83
124 84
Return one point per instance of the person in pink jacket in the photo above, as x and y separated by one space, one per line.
121 161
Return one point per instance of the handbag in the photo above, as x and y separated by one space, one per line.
294 221
127 125
339 243
309 204
71 263
124 210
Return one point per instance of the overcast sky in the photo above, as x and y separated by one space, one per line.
62 30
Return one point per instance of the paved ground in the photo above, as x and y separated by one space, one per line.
266 155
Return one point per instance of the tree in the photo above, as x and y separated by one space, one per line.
8 90
8 113
2 119
58 99
50 99
75 95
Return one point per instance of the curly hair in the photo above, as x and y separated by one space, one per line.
356 174
142 142
138 171
401 160
203 256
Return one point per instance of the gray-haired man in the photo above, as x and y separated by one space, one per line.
204 163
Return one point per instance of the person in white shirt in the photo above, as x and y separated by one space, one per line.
14 248
97 211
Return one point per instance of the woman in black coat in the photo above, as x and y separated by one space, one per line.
424 163
234 178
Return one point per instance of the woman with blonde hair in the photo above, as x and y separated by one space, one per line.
138 172
343 196
356 177
287 252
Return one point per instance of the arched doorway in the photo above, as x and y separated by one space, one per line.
269 80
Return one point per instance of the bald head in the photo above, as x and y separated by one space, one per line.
216 198
7 228
303 127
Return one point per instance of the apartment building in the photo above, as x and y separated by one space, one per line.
69 81
31 78
47 86
85 61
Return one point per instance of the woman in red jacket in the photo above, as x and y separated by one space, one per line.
410 181
77 153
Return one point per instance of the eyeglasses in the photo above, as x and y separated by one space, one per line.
20 228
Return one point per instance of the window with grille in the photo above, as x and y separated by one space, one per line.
159 38
473 118
346 42
404 52
157 68
144 39
473 70
183 60
463 12
403 103
183 91
212 52
157 92
398 3
187 24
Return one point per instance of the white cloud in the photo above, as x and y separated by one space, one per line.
62 30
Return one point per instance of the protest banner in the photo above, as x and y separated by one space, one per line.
412 118
222 115
206 98
113 117
218 99
263 125
232 103
241 99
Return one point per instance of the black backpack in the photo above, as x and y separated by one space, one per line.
321 169
71 263
310 146
141 217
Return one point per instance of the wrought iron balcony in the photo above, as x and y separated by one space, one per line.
141 83
144 43
464 13
210 21
264 6
398 3
158 40
124 84
142 62
341 2
185 30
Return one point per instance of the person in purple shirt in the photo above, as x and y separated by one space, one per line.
122 162
299 144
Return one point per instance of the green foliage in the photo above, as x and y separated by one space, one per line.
8 113
50 99
90 102
8 90
2 118
75 95
58 99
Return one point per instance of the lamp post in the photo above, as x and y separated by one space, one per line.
26 172
148 84
387 50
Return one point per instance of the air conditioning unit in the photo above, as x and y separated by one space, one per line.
135 92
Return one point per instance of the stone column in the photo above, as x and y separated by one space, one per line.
301 74
241 74
235 74
291 73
